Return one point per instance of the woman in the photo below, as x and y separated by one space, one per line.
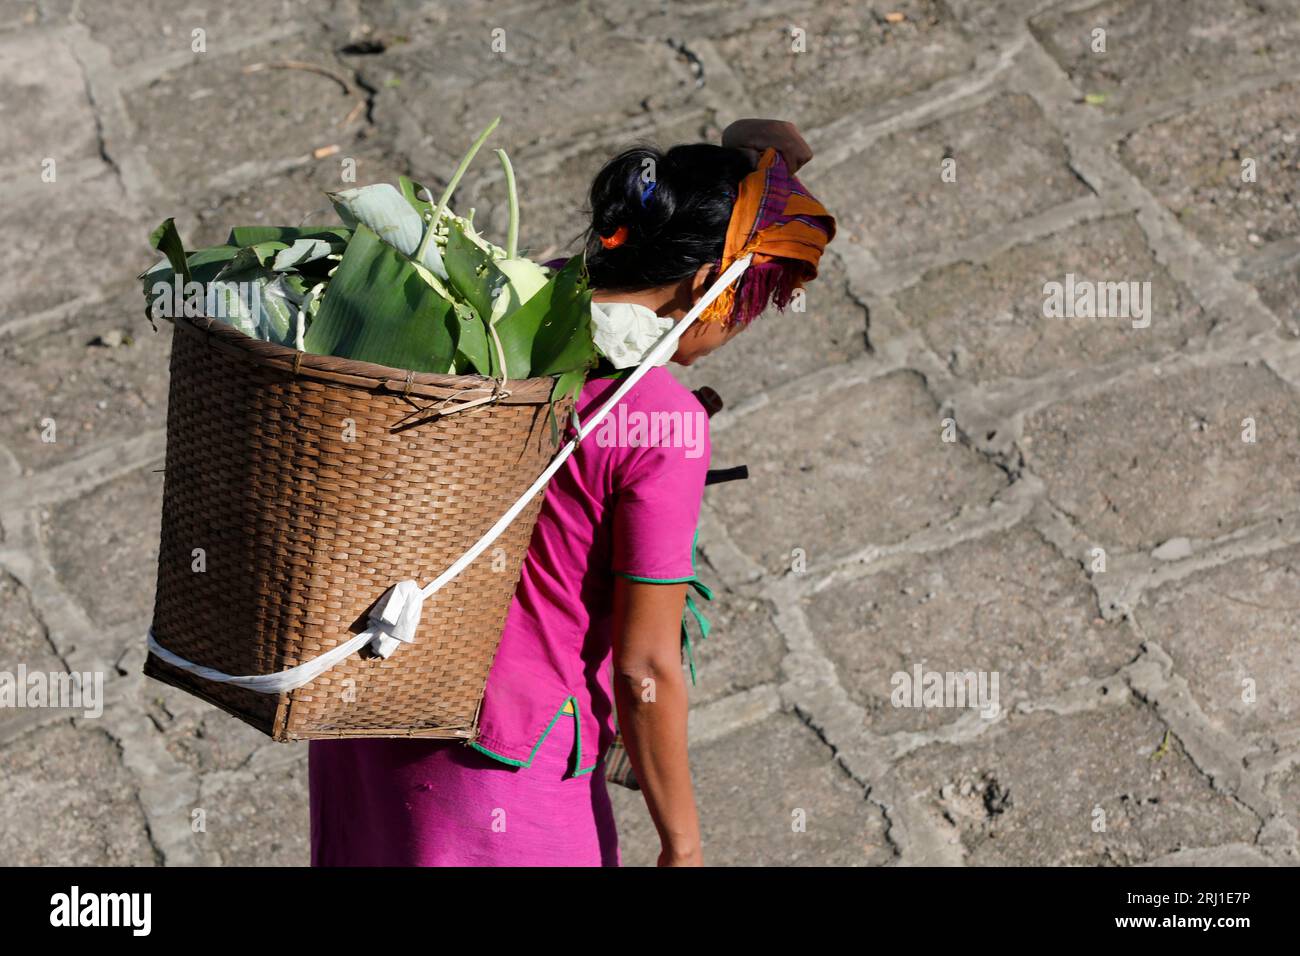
596 625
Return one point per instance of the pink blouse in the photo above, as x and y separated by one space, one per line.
627 502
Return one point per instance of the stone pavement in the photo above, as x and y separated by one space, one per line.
942 477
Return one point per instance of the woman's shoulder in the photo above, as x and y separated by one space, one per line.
658 390
658 429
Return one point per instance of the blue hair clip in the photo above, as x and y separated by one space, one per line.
648 191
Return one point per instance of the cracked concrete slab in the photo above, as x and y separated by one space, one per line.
1155 50
1187 465
989 321
1237 192
1084 789
105 545
69 801
42 79
537 65
1230 632
810 60
1007 163
1005 605
212 115
843 440
99 376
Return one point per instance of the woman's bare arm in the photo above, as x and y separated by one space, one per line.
650 694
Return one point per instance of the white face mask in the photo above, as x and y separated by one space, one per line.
625 331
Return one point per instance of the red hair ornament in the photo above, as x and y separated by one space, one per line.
617 239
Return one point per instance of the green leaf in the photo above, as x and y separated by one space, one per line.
203 265
207 263
471 266
279 317
472 350
258 302
294 284
168 241
230 303
252 258
384 210
251 235
568 384
302 251
378 309
411 191
551 333
387 214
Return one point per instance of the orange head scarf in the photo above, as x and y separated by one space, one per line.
784 227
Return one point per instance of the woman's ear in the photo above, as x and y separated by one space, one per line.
700 283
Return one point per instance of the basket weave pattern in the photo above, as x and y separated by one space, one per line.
303 531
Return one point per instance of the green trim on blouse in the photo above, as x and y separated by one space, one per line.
634 577
578 769
686 580
691 609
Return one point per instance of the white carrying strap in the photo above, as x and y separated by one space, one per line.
395 618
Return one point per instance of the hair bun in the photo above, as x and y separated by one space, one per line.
673 207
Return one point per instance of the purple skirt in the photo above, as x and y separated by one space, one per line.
393 802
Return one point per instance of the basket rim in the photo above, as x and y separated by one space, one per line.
368 376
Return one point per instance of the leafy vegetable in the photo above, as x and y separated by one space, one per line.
378 309
403 282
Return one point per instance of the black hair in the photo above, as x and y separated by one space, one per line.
682 224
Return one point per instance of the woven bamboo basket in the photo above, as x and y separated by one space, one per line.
298 488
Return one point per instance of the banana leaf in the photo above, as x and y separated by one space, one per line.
551 333
258 302
473 351
251 235
168 241
206 264
378 309
253 257
201 266
567 385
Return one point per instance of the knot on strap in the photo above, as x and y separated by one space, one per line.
395 619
